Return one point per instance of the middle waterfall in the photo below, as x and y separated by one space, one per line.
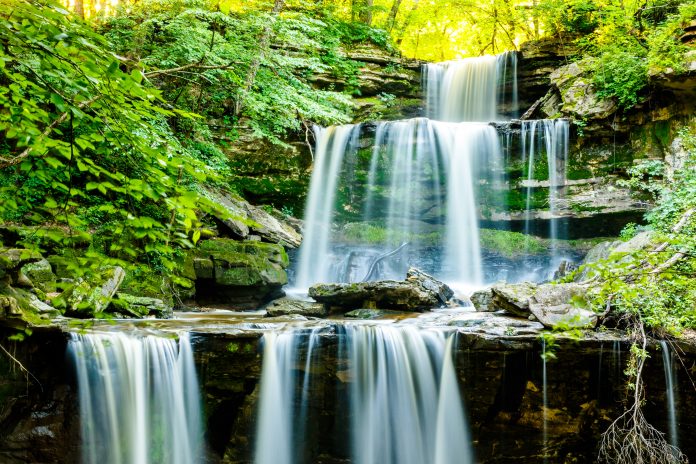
388 195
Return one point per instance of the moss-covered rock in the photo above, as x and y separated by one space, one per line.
239 274
89 297
138 306
40 274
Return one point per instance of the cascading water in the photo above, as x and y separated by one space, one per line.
414 191
671 394
139 399
405 405
414 159
470 89
405 398
551 135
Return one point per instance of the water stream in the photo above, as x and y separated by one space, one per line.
139 398
671 394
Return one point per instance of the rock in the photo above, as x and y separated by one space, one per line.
240 275
513 298
245 220
428 282
90 297
9 306
562 305
579 97
287 306
12 259
40 275
483 300
364 313
140 306
564 268
419 292
676 158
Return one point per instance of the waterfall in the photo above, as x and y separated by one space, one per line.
470 89
553 136
139 398
332 144
425 183
671 394
405 406
405 399
404 172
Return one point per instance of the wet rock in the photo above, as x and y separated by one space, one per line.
245 220
419 292
89 297
287 306
483 300
364 313
513 298
430 283
564 268
562 305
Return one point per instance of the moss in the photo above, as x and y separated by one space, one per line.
511 244
144 281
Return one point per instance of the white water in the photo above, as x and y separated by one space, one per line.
424 182
469 89
139 399
332 144
671 394
551 135
413 158
405 406
405 400
274 432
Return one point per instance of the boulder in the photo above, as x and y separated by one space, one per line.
244 220
562 305
239 275
513 298
288 306
40 275
89 297
579 97
483 300
140 306
12 259
419 292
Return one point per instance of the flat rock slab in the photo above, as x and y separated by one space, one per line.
419 292
288 306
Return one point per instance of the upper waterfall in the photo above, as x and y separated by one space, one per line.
471 89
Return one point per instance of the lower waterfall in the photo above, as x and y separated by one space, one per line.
403 396
139 399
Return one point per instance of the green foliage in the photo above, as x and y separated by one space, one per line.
654 285
83 132
509 243
622 73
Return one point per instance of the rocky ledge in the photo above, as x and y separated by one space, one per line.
419 292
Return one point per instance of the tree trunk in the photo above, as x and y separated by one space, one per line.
391 20
80 8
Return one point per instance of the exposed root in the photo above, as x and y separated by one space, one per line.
630 439
21 366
